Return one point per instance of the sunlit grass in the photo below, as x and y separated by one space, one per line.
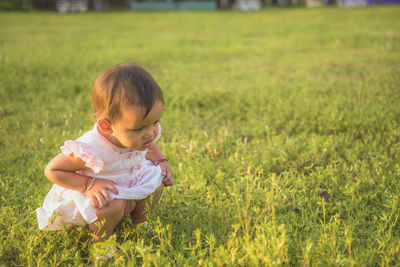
282 127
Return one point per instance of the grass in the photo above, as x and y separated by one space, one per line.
282 127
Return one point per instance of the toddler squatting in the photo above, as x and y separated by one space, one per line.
110 171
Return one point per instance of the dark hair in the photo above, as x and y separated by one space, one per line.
124 85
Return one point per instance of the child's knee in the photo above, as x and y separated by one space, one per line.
116 209
132 204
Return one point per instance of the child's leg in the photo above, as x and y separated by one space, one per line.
110 216
139 214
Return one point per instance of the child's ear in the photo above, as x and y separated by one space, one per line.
104 126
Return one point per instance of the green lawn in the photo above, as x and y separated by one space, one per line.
282 127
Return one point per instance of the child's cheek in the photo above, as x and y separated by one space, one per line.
132 141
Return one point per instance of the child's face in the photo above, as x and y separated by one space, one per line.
134 131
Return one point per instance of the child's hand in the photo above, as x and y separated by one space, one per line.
166 171
98 194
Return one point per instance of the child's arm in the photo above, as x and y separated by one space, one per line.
62 171
154 154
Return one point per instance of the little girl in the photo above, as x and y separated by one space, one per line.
108 172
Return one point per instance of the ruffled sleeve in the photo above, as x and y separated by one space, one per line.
85 152
159 133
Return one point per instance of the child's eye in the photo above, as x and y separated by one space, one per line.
139 129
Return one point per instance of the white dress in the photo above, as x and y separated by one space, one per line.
133 175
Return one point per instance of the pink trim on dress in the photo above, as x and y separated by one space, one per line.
136 167
85 152
131 154
131 182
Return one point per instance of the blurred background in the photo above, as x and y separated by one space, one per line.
63 6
